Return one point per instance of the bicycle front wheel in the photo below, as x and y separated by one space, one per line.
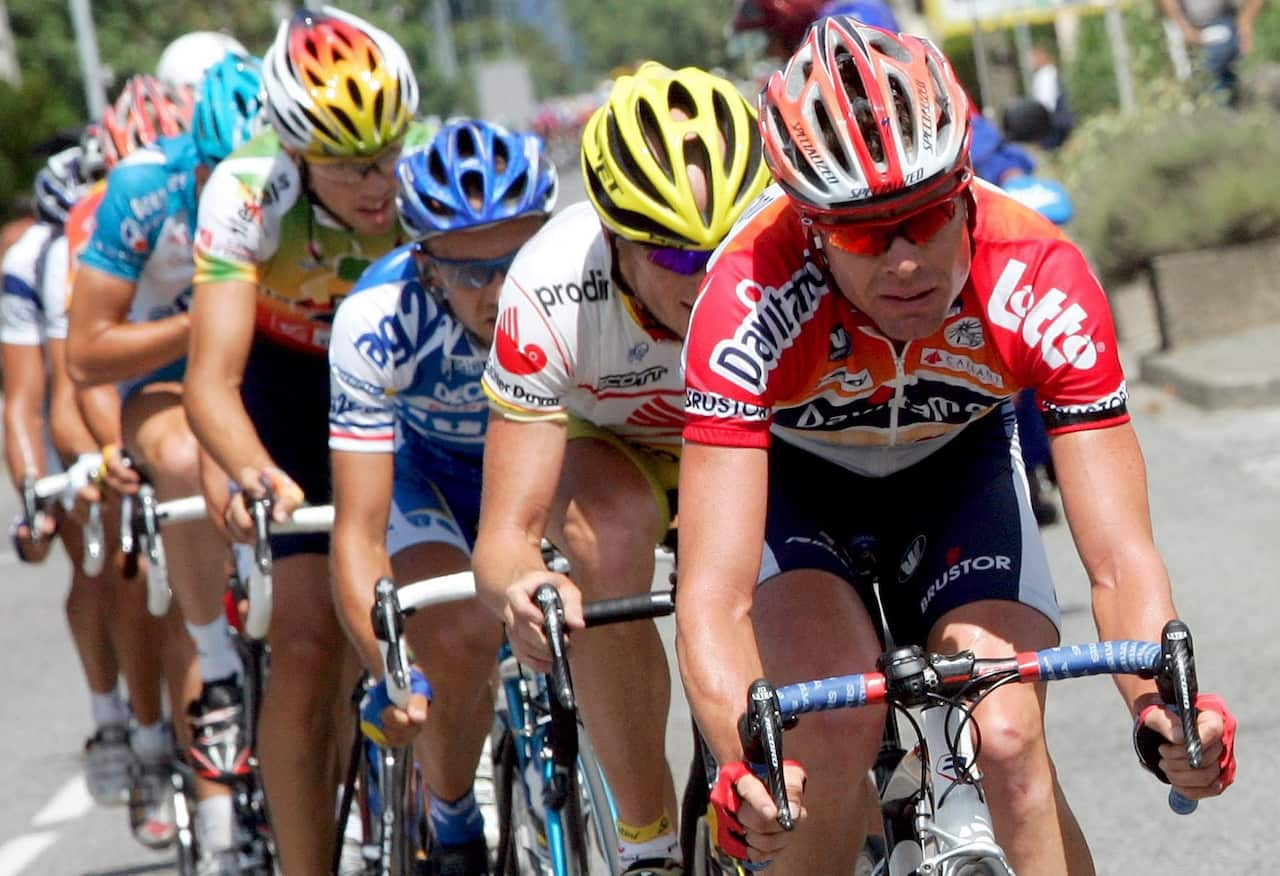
590 818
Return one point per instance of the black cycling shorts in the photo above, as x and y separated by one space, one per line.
286 394
953 529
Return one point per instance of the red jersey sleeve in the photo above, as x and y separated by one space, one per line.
1052 323
758 295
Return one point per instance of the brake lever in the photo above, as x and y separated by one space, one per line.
1178 686
760 731
548 599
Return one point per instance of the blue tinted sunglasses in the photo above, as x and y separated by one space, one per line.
470 273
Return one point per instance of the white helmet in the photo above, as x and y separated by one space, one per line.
185 60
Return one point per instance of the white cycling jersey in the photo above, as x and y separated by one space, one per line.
569 343
34 304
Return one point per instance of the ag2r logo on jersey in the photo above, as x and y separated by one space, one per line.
1044 321
775 316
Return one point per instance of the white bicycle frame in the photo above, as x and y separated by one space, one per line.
952 820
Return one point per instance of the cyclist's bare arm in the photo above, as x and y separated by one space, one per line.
719 562
522 462
71 435
24 388
100 407
362 486
1103 481
222 329
103 345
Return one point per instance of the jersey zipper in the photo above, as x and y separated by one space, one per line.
899 389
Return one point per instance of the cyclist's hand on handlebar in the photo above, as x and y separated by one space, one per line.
523 617
1217 737
119 474
389 725
28 549
745 818
288 496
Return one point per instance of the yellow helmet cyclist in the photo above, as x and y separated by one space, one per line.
637 148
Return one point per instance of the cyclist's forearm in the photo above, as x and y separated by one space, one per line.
71 435
1132 600
23 439
500 557
358 562
125 350
222 426
718 660
99 408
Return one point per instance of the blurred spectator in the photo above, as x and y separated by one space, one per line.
1046 87
1223 33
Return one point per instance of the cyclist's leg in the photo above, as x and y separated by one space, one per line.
607 519
156 432
297 736
983 584
1033 822
89 607
799 616
456 643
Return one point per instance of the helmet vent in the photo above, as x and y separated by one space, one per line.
651 128
354 91
501 156
622 152
723 115
346 122
829 136
941 105
795 156
435 166
696 155
906 123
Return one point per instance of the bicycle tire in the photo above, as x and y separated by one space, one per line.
188 855
517 830
590 818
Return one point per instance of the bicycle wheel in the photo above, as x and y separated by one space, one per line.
522 841
590 818
184 821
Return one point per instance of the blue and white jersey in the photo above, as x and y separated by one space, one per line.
145 226
404 374
34 305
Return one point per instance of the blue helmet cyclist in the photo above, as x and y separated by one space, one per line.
406 430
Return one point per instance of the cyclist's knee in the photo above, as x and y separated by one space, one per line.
1012 750
173 460
609 548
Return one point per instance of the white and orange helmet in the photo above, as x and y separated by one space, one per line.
863 122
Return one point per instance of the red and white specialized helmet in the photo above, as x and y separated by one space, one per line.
863 122
145 111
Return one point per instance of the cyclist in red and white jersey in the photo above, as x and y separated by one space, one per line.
584 378
848 370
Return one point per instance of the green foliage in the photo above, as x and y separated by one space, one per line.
1177 175
27 117
616 33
